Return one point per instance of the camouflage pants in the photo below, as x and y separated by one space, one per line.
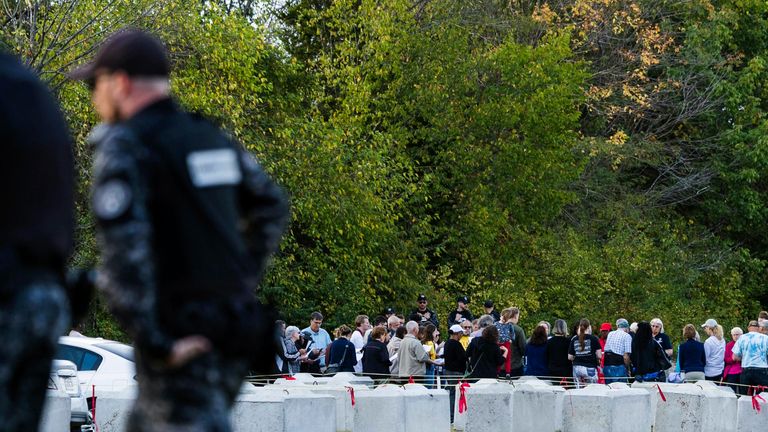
194 398
31 321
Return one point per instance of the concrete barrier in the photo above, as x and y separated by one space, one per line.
537 406
720 408
56 412
681 412
348 378
489 408
460 419
426 410
749 419
303 378
380 410
602 408
275 411
113 409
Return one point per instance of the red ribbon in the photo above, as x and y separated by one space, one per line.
756 398
563 382
93 410
289 378
463 396
351 394
661 393
410 380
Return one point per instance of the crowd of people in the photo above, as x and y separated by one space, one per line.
398 348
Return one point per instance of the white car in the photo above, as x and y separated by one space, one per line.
105 364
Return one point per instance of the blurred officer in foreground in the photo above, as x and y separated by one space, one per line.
36 226
186 222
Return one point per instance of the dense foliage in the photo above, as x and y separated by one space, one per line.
596 158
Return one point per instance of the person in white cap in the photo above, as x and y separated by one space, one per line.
455 361
714 350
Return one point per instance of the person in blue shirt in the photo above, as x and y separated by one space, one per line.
691 355
752 350
536 353
341 353
320 340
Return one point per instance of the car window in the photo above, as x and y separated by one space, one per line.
91 362
84 360
122 350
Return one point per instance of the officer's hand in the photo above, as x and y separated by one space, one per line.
186 349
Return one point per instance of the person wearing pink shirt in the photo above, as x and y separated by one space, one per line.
732 371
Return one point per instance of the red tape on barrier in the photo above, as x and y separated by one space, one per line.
661 393
463 396
410 380
351 394
756 398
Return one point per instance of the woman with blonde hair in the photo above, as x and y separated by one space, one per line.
714 349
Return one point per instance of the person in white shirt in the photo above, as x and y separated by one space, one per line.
362 324
714 350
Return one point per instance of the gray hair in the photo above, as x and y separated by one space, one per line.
393 319
410 326
561 328
485 321
661 324
290 331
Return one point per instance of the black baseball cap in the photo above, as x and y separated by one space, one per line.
389 311
462 299
129 50
422 297
488 303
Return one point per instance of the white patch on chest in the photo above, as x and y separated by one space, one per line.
213 168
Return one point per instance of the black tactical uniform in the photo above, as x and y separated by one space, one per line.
186 220
36 221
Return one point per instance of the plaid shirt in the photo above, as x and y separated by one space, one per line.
618 342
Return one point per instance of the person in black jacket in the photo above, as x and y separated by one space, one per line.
376 360
645 356
186 222
36 232
461 311
341 352
557 354
422 314
455 362
485 355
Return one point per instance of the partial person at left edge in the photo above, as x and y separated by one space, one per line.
36 236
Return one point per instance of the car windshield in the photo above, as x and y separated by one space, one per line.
124 351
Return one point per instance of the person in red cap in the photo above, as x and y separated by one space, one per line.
605 328
186 221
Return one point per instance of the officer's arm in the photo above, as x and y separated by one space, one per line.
127 274
265 209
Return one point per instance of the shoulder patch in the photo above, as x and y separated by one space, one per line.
111 199
213 168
